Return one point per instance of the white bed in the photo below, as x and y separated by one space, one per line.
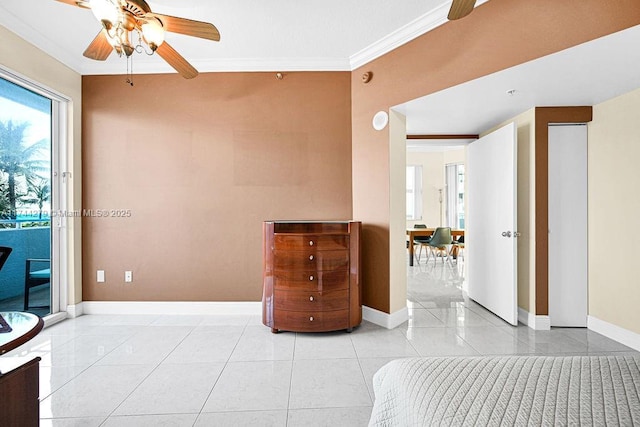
508 390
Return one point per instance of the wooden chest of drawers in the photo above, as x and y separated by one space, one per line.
311 276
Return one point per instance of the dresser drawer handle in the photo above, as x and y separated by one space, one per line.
310 257
311 319
310 242
311 278
310 298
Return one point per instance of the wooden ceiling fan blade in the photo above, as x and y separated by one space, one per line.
176 60
188 27
460 9
100 48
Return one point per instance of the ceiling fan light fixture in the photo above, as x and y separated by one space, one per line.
127 49
153 33
113 38
130 26
106 12
118 37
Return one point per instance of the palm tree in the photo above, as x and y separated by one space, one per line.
16 159
4 199
38 192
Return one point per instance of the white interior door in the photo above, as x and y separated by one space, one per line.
568 225
491 225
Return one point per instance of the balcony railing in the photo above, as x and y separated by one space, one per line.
24 222
28 238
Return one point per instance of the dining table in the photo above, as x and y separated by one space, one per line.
413 232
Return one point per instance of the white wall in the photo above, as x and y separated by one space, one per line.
614 206
433 178
397 228
454 156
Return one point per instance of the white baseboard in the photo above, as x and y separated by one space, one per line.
538 323
383 319
172 307
52 319
74 310
616 333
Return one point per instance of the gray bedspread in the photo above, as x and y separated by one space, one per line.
508 390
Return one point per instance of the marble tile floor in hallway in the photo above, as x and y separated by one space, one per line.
157 370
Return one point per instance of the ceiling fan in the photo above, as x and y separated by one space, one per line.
122 19
460 9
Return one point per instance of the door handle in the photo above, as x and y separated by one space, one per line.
506 234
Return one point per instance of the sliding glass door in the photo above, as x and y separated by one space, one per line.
29 197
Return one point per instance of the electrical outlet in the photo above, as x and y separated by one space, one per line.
100 276
128 276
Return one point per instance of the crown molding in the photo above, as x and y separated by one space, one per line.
76 62
32 36
412 30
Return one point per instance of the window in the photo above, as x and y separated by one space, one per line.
455 195
414 192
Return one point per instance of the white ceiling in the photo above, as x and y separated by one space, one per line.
282 35
587 74
295 35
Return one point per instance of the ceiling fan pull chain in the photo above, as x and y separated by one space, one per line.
130 70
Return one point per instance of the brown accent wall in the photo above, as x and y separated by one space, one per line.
497 35
200 164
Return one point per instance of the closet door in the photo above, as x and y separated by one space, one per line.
568 225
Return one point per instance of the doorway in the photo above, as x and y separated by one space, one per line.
432 280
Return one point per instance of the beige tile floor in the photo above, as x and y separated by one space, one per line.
140 370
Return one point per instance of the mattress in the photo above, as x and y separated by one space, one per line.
508 390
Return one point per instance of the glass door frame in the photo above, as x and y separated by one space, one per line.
59 176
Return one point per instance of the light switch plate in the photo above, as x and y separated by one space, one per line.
100 276
128 276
